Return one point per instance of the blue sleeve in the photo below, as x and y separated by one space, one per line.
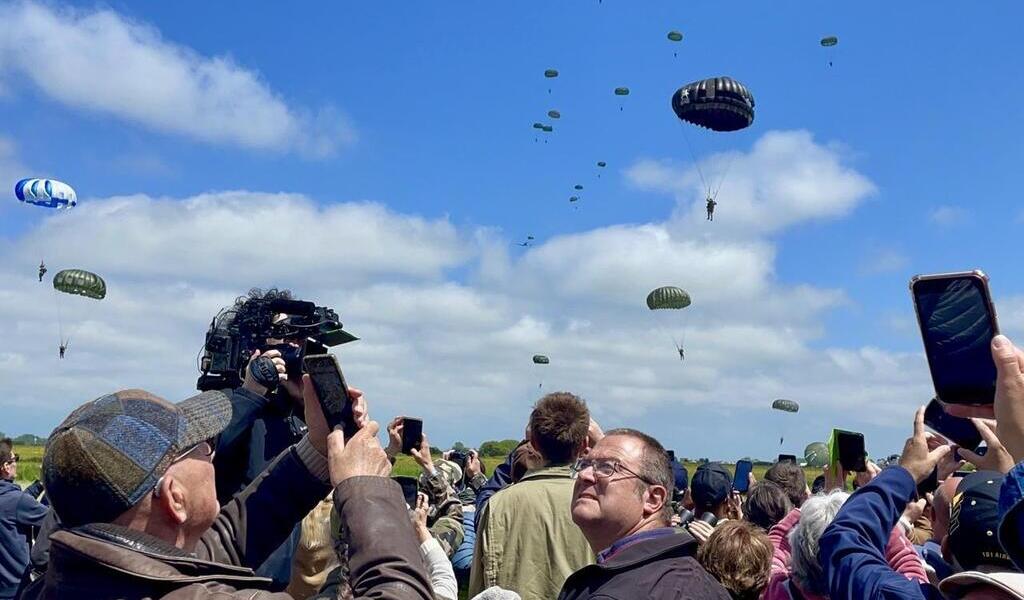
501 479
29 512
463 557
852 548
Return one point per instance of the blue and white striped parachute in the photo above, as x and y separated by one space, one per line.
48 193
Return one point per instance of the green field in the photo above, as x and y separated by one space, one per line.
32 458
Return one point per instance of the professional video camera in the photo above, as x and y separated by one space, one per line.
240 330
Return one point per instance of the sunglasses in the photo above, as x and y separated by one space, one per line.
13 459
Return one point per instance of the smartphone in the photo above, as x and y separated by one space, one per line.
332 391
851 450
786 458
410 486
958 321
412 434
958 430
741 478
929 485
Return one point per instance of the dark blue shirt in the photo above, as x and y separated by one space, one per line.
18 512
629 540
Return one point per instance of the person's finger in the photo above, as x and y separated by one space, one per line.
355 393
919 422
936 455
254 356
986 432
1008 359
974 459
421 501
929 498
335 442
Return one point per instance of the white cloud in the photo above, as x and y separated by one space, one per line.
787 178
884 260
101 61
449 320
947 216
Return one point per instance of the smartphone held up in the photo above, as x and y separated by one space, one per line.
331 391
958 321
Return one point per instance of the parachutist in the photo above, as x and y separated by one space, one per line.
711 208
63 348
682 356
42 270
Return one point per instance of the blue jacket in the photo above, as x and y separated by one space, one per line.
852 548
18 512
462 560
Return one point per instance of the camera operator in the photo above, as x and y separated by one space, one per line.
268 333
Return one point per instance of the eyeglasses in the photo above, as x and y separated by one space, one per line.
604 469
206 447
13 459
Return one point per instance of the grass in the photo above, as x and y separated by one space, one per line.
32 458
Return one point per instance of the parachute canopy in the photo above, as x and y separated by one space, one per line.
540 359
538 126
573 198
602 164
668 297
80 283
554 114
675 36
622 91
816 454
718 103
551 73
829 41
786 405
577 187
547 128
48 193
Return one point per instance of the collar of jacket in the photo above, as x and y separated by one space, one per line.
143 555
680 543
6 485
555 472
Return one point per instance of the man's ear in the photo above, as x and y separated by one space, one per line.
655 499
171 500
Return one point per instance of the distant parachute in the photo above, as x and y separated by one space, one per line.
829 41
80 283
668 297
551 73
573 198
816 454
48 193
664 302
577 187
540 359
547 128
786 405
538 126
602 164
675 36
75 282
554 114
622 91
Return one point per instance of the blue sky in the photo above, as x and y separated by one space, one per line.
426 111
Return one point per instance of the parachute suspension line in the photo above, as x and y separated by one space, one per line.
60 318
728 165
696 162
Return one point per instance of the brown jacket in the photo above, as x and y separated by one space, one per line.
106 562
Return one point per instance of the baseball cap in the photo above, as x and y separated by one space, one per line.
680 476
955 586
109 453
974 522
451 471
710 485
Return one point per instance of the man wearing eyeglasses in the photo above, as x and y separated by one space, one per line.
621 502
132 478
18 513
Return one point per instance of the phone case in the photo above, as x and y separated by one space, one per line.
976 274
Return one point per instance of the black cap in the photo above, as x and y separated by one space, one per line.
974 522
711 485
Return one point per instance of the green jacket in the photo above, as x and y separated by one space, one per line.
530 523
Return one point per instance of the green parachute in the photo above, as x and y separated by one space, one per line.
663 303
675 36
786 405
622 91
551 73
602 164
80 283
554 114
816 454
75 282
540 359
829 41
